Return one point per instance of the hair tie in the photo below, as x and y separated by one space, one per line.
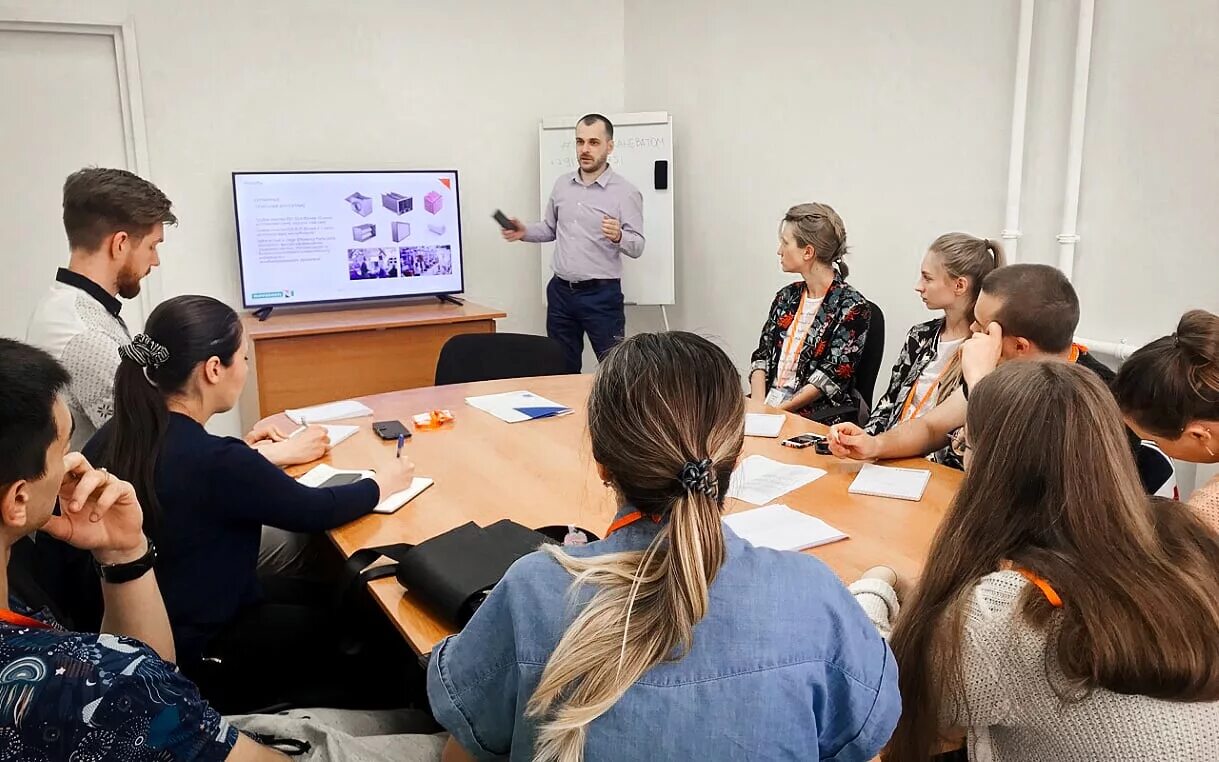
698 477
1176 340
145 352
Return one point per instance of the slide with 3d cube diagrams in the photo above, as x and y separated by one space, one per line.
307 237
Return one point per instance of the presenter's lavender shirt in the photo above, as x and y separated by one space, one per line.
573 221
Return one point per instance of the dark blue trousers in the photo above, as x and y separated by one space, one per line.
592 307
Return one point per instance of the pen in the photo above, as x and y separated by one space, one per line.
401 441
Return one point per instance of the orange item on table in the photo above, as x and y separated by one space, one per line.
433 420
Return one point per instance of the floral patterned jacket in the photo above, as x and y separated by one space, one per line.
921 345
834 345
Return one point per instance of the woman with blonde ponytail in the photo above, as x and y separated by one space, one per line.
928 369
672 638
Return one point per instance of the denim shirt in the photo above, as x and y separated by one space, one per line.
784 666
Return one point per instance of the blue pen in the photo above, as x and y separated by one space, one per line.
401 441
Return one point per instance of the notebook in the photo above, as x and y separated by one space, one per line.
759 479
763 424
887 481
331 411
320 473
781 528
515 407
337 433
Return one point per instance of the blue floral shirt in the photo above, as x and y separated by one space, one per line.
785 666
66 695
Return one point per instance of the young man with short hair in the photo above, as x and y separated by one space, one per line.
1024 311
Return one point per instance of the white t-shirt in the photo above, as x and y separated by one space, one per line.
785 379
944 354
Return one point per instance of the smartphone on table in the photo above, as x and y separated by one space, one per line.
800 441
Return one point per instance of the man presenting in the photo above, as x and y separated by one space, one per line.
594 217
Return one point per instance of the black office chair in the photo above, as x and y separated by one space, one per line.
868 368
489 356
866 371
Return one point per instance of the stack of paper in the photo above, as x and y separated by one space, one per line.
886 481
779 527
318 475
515 407
759 479
331 411
763 424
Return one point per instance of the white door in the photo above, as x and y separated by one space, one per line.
61 112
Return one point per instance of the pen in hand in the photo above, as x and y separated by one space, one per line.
401 441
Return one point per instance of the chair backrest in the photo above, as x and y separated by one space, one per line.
473 357
873 352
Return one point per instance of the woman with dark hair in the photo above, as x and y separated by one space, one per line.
1169 393
1062 613
207 498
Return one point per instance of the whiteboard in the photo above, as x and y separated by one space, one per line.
640 140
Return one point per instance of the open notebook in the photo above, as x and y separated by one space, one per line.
318 475
779 527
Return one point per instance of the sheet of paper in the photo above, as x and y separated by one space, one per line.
507 406
887 481
339 433
318 475
760 480
778 526
763 424
331 411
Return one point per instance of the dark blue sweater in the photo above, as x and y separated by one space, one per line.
215 494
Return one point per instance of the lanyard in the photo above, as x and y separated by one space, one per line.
791 335
910 397
18 620
1050 594
629 519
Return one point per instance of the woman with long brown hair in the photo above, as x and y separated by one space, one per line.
1061 614
671 639
1169 392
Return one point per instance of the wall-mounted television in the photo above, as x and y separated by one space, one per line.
324 237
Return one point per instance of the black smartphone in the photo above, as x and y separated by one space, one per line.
822 448
503 220
803 440
391 430
339 480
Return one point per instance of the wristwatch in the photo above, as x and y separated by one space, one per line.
117 574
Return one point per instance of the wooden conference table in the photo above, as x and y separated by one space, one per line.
541 472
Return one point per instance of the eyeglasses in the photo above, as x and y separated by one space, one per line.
959 442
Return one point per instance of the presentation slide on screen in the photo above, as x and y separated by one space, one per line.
315 237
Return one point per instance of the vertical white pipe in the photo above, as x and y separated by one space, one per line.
1020 101
1075 147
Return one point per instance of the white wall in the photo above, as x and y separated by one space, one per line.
895 116
291 84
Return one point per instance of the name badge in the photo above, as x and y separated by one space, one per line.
775 397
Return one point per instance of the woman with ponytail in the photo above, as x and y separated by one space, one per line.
928 370
672 638
207 498
1169 393
814 332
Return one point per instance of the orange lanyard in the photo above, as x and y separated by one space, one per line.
17 620
1050 594
910 397
791 335
1075 350
629 519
